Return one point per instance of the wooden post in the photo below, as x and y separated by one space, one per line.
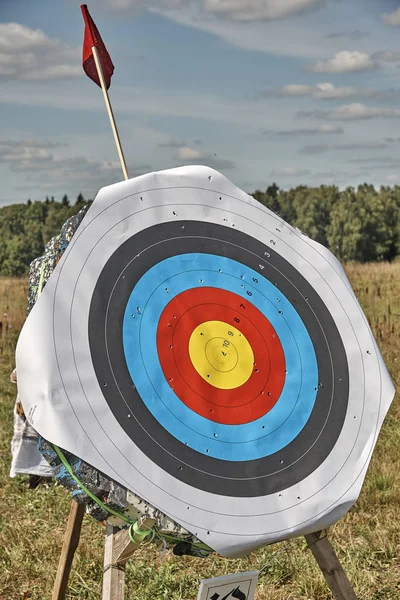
114 573
330 566
70 544
118 548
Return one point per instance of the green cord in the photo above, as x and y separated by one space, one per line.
89 493
134 530
137 535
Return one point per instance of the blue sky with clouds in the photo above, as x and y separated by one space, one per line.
292 91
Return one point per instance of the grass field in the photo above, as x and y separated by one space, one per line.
367 540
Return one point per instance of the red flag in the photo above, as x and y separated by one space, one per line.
93 38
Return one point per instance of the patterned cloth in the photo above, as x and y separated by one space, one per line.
43 266
26 458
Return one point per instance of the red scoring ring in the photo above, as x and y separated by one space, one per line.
244 404
235 397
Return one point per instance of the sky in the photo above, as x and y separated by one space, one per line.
286 91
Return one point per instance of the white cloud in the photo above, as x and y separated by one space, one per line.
392 18
392 178
352 112
289 172
28 54
252 10
351 147
29 143
186 153
326 128
21 154
18 38
238 10
386 56
356 34
41 169
326 91
345 61
135 100
330 128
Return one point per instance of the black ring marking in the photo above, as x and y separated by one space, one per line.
242 479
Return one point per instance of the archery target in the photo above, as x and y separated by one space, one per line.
209 357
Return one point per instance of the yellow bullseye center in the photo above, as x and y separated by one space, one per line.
221 354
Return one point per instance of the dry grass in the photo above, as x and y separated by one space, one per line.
367 539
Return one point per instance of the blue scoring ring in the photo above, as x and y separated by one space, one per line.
250 441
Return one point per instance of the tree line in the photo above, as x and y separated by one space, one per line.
26 228
356 224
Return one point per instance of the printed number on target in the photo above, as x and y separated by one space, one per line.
240 586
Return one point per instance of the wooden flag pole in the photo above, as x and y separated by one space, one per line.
110 112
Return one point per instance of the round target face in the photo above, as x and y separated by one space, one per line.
210 358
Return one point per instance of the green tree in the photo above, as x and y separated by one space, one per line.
364 225
313 207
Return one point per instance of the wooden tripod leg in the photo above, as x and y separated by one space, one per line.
330 566
118 548
114 572
70 544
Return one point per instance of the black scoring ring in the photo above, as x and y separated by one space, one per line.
267 475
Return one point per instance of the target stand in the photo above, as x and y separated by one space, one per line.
118 549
